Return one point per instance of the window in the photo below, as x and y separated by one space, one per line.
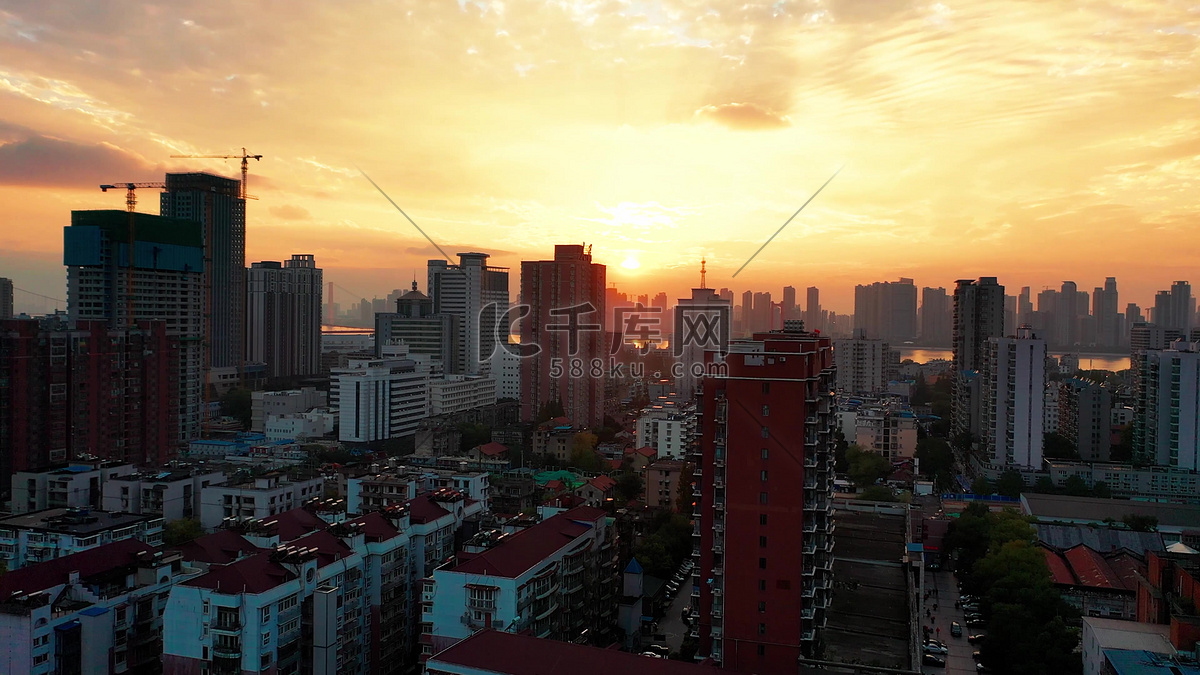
41 641
762 498
766 387
762 584
762 519
766 433
762 542
40 659
763 474
764 453
266 641
762 563
762 650
766 411
287 603
762 606
762 630
264 614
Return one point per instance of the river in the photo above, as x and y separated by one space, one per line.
1113 362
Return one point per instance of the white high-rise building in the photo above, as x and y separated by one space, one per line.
506 370
862 364
283 316
1167 421
702 323
1013 392
378 399
478 295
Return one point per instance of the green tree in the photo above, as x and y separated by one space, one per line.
472 435
629 486
684 500
1101 490
180 531
1045 485
1076 486
1140 523
550 410
935 455
865 467
981 486
1057 446
1010 484
238 403
877 493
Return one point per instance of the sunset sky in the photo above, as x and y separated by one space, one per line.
1034 141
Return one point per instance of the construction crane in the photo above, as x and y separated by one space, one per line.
131 191
130 205
245 157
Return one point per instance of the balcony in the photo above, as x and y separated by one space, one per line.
228 627
809 548
229 651
810 461
808 613
808 635
718 483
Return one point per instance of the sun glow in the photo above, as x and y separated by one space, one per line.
631 263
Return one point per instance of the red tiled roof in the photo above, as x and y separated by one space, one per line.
1059 572
555 485
511 654
1091 568
219 548
493 449
516 554
646 451
1127 568
88 563
295 523
377 527
423 509
615 463
256 574
602 483
329 549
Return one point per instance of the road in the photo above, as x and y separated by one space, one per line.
959 660
672 624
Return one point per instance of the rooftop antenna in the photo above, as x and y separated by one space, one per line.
702 273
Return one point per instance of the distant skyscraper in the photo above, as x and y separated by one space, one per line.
789 303
168 286
416 325
812 310
216 203
1166 428
1104 309
701 324
886 310
283 316
1010 314
6 298
1024 307
936 317
978 317
1067 315
747 312
863 365
1013 384
761 316
568 333
1181 307
478 294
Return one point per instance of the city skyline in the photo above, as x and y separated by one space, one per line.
1061 138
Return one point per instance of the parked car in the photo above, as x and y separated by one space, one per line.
977 622
932 660
980 668
955 629
653 655
975 638
934 648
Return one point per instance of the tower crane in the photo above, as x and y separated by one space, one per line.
245 157
131 191
130 204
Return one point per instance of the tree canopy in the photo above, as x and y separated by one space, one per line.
865 467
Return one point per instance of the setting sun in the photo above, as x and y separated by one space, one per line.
631 263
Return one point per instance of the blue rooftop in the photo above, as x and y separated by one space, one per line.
1137 662
94 611
633 567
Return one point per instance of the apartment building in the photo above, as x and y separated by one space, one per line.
169 494
77 485
662 484
93 613
256 497
266 404
670 432
457 393
37 537
557 579
891 433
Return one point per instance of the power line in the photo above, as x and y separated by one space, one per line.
46 297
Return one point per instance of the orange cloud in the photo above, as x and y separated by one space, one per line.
744 116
